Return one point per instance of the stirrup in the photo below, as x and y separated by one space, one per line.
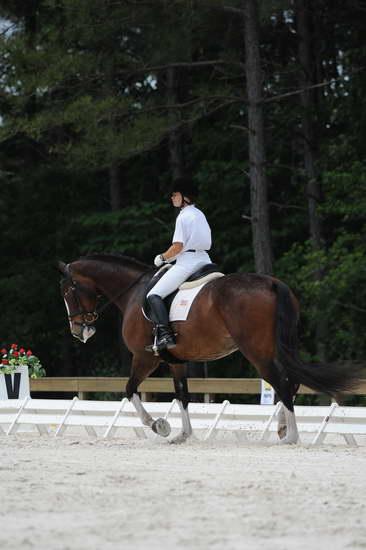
151 348
158 344
166 337
155 347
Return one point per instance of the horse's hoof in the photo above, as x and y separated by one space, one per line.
161 427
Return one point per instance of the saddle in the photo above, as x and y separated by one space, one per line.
204 273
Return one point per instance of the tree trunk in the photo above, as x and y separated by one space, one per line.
257 157
176 147
313 189
308 131
114 187
30 27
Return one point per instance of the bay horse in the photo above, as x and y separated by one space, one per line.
256 314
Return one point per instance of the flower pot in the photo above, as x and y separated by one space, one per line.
15 385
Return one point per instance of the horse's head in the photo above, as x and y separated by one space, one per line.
80 296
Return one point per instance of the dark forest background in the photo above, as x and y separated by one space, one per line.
104 102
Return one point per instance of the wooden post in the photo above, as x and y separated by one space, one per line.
146 396
83 395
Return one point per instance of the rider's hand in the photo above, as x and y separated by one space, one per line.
159 260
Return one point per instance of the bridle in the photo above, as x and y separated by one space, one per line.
89 317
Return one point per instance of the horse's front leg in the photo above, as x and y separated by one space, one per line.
179 373
140 370
281 422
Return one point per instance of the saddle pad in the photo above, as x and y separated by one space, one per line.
182 303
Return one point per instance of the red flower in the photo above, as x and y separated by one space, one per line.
16 353
29 352
22 350
3 351
14 346
5 362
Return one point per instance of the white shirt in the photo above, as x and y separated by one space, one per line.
192 229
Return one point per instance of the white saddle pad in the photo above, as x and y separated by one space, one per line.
184 298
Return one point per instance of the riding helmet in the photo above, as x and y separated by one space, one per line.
186 187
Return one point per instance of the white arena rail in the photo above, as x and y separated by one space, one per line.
105 418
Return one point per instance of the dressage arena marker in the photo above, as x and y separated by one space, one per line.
208 419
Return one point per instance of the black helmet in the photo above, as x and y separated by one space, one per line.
186 187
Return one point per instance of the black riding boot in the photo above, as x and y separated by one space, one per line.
159 316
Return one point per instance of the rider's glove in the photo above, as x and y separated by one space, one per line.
159 260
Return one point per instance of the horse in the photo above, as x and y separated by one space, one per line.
256 314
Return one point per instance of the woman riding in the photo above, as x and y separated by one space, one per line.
190 243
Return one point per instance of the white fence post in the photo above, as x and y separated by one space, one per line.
320 436
216 420
266 433
13 426
111 428
61 428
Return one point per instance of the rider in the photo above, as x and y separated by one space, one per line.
191 240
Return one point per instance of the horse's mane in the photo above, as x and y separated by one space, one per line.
117 259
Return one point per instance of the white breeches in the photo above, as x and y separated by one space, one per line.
186 264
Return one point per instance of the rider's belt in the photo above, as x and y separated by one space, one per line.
191 250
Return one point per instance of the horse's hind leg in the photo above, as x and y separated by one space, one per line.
291 431
179 373
140 370
286 390
281 417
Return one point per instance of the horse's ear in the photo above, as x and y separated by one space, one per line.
61 266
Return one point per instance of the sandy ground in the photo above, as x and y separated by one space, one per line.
79 493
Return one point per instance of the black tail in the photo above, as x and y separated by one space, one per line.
331 379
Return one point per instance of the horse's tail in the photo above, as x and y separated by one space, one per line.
331 379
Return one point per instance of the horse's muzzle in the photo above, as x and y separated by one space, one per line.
83 332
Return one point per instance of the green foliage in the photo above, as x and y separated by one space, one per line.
337 297
138 231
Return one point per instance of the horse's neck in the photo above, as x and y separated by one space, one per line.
114 283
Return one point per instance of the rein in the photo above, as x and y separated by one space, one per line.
89 317
111 301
